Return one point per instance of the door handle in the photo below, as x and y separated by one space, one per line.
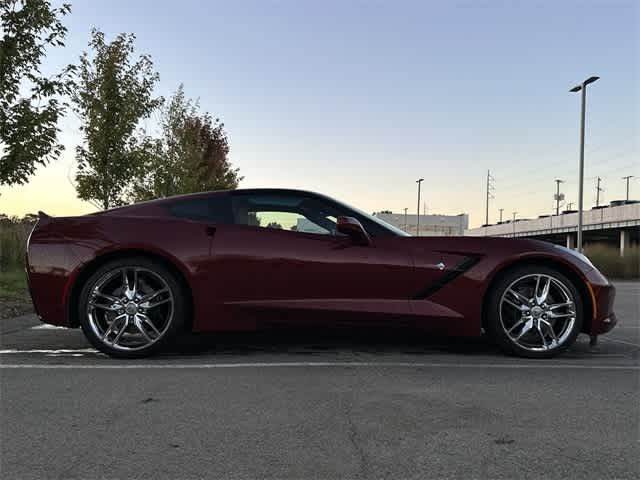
211 230
439 266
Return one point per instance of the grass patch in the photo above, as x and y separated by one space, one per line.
13 285
607 259
14 294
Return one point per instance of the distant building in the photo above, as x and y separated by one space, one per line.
430 225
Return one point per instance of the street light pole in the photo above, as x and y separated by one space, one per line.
627 179
405 219
583 89
419 181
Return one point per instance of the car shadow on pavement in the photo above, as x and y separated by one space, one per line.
310 343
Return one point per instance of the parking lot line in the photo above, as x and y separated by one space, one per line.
155 366
620 341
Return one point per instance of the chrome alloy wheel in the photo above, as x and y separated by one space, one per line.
130 308
537 312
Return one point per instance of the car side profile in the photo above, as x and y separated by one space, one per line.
134 278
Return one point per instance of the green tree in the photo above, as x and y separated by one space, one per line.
112 93
192 155
29 103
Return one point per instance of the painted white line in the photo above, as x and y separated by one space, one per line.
157 366
46 326
619 341
37 350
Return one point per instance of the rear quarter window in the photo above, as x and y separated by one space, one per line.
215 209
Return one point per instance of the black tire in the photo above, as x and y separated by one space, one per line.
494 321
172 327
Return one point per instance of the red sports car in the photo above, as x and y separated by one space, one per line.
133 278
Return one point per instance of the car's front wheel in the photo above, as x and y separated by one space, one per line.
131 307
534 311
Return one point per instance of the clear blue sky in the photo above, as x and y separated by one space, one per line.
357 99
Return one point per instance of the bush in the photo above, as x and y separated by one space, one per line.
13 241
608 260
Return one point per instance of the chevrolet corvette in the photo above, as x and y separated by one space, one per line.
134 278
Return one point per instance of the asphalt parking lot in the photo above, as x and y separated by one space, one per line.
266 406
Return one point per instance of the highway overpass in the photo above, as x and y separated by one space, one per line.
615 224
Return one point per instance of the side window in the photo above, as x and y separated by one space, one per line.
215 209
293 212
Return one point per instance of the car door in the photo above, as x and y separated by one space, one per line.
282 261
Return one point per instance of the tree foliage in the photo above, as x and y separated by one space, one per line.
29 103
191 156
111 94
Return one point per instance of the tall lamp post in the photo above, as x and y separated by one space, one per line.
582 88
627 178
419 181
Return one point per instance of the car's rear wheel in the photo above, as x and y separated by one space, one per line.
131 307
534 311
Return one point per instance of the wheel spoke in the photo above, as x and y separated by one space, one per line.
519 297
560 305
561 315
134 289
516 325
125 281
554 338
129 289
546 285
544 340
147 321
111 298
526 329
519 307
119 335
152 295
141 329
112 329
148 305
110 308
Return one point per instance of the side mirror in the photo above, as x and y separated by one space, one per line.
354 230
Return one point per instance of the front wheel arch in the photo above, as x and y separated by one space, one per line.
97 262
562 268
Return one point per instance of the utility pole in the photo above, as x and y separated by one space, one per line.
627 178
501 214
558 182
598 190
419 181
514 223
405 219
583 89
490 187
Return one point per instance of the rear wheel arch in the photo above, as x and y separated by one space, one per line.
92 266
557 265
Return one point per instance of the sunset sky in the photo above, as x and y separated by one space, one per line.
357 99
